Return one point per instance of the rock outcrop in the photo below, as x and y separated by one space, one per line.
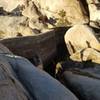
61 12
42 15
80 37
82 44
94 10
14 26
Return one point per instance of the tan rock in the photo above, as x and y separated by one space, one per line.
94 11
35 24
10 5
87 55
92 1
30 11
25 31
76 56
12 26
80 37
65 12
82 44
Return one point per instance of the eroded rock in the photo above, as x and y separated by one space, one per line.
61 11
88 54
30 11
12 26
94 10
44 15
80 37
82 44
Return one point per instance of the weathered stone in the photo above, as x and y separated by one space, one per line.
84 85
94 10
13 26
36 19
80 37
10 5
82 44
61 11
92 1
58 13
30 11
87 55
35 24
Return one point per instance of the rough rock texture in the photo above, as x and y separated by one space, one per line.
42 15
30 10
60 13
94 10
82 44
10 5
14 26
81 37
88 54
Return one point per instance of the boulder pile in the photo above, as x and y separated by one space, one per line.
31 17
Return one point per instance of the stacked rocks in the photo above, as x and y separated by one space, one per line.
36 16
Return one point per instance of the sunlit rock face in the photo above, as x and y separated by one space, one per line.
13 26
64 12
10 5
80 36
30 10
94 10
82 44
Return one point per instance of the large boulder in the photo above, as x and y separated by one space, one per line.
81 37
82 43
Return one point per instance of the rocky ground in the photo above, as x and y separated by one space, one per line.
71 54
